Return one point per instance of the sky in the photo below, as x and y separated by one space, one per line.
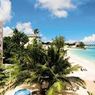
73 19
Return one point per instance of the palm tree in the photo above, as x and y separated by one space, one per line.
59 42
14 45
3 79
2 76
60 69
50 68
36 31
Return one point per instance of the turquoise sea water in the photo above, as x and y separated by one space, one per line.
88 53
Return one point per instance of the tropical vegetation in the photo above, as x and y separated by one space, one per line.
80 45
49 68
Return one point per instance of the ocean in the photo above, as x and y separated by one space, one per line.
88 53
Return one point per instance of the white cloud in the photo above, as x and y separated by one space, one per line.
71 41
58 8
45 39
7 31
25 27
89 39
5 10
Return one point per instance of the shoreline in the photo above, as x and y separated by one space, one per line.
79 56
87 65
88 74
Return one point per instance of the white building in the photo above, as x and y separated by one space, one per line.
31 37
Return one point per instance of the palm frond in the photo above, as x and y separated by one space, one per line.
77 81
72 69
57 87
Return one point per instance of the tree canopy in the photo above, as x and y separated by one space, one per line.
35 64
80 45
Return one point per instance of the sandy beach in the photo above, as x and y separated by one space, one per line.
87 73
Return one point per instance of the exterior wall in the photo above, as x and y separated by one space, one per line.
31 38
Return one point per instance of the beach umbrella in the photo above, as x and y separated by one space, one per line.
23 92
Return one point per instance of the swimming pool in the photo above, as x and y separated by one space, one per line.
23 92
